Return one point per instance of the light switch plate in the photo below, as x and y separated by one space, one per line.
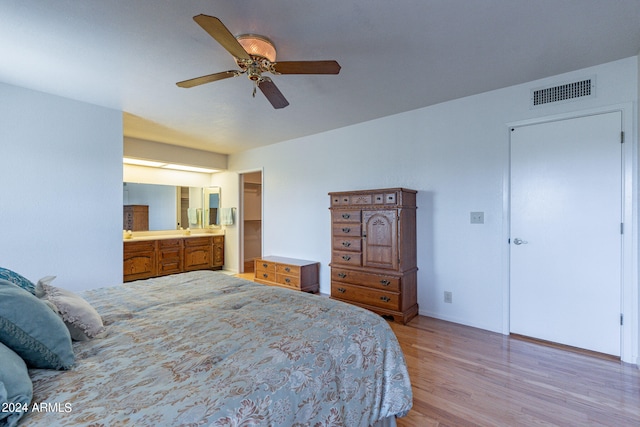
477 217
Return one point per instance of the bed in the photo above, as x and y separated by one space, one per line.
208 349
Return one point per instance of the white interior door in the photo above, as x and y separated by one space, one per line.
566 243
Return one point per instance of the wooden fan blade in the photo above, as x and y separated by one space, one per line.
208 78
273 94
218 31
307 67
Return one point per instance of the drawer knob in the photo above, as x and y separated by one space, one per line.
287 269
346 216
346 244
342 290
265 265
385 298
287 280
265 275
385 282
342 275
346 257
346 230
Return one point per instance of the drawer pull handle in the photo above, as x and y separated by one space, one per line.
346 216
287 269
265 275
385 298
346 257
346 244
342 290
385 282
346 230
342 275
265 265
287 280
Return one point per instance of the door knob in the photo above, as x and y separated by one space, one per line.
518 241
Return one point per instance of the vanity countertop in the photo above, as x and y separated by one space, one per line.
139 236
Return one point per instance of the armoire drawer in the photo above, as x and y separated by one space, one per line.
361 199
347 230
345 216
368 296
346 258
341 243
377 281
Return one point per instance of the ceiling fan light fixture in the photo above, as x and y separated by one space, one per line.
256 45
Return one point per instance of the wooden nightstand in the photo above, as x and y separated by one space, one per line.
291 273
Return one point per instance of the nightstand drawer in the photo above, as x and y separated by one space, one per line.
288 269
265 275
291 273
265 267
290 281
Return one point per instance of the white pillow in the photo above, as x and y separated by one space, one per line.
82 320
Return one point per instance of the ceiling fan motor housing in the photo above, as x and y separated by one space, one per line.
255 67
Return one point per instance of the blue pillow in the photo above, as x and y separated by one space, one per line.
30 328
16 390
17 279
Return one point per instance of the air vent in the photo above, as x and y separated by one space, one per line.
565 92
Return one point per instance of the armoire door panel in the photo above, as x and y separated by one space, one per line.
380 239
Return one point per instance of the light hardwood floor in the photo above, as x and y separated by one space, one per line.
463 376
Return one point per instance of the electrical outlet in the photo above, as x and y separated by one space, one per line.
448 297
477 217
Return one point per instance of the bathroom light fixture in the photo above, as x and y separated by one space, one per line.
188 168
172 166
140 162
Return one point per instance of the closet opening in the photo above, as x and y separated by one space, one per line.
251 187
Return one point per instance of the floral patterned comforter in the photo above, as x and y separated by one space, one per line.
207 349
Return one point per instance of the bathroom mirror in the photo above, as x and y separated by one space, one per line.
169 207
212 207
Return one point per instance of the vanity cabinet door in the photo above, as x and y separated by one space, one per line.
169 256
139 260
198 253
218 251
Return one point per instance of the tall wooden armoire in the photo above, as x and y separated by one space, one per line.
135 217
373 251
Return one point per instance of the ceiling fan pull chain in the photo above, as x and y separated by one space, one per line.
255 87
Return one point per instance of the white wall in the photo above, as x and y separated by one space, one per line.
157 151
61 179
229 183
456 154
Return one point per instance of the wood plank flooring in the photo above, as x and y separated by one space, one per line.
463 376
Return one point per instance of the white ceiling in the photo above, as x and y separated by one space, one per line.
395 56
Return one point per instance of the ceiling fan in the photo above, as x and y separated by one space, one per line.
255 55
